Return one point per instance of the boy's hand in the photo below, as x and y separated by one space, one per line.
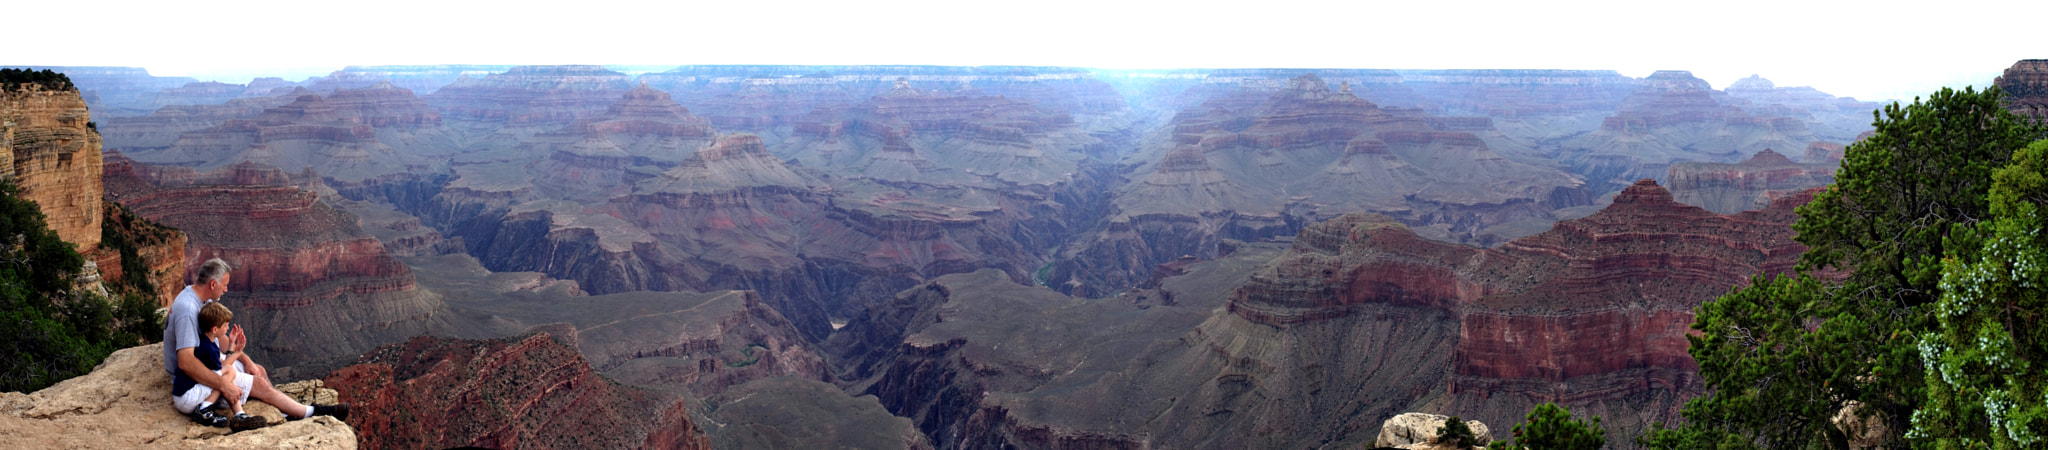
236 340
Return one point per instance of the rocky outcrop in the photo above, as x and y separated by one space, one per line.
2026 88
524 392
1751 184
302 268
125 403
48 148
1418 429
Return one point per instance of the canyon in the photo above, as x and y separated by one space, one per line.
960 257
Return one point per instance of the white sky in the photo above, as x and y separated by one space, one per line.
1868 49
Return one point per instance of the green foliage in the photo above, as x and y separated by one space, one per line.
1784 355
1550 427
48 332
1457 434
19 79
1987 382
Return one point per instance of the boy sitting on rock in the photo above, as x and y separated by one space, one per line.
204 403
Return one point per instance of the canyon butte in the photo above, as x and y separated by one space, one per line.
949 257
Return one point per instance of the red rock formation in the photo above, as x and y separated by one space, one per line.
2026 88
1751 184
520 392
48 150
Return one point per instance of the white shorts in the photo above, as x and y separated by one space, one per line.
193 397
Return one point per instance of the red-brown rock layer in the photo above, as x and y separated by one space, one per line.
520 392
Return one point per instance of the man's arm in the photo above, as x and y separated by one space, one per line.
189 363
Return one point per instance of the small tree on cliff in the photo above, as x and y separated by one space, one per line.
1456 434
1785 355
1550 427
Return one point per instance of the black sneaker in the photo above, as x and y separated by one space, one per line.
245 422
206 417
220 409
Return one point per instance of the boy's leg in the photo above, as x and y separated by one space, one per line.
262 390
246 382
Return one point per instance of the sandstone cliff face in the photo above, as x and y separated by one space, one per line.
125 403
1751 184
760 98
520 392
2026 88
302 268
1829 117
47 149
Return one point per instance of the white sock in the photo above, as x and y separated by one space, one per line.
309 412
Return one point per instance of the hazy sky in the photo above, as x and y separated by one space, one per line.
1867 49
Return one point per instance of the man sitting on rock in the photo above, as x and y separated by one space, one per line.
181 339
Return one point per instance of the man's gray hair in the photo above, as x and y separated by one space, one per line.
213 269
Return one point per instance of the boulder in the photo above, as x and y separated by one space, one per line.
1418 430
125 403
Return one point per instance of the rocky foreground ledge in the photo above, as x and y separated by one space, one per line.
125 403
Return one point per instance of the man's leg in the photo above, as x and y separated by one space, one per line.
269 394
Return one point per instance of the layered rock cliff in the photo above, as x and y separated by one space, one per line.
519 392
125 403
2026 88
1751 184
